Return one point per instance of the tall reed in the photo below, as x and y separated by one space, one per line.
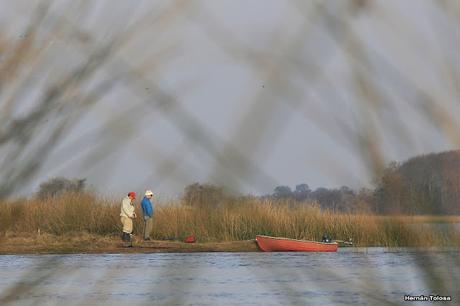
236 219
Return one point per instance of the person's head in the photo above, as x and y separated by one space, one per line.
149 194
132 195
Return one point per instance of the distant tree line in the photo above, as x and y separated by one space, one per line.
337 199
59 185
204 195
427 184
342 199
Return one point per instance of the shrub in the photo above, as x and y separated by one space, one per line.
60 185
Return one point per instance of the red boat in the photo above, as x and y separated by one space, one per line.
279 244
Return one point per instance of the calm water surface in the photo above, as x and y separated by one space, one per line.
373 276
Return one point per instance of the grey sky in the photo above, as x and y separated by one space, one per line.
267 81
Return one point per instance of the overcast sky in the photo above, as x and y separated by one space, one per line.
264 92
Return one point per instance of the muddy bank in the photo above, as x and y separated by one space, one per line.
48 244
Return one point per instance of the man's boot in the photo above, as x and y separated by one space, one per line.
130 240
126 240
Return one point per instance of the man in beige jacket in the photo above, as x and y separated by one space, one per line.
127 215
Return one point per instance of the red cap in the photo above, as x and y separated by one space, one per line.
132 194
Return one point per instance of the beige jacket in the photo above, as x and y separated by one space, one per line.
127 208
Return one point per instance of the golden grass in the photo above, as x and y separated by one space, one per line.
242 219
428 219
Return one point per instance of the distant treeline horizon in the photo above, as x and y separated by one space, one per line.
425 184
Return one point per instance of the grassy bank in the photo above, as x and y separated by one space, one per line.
236 220
87 243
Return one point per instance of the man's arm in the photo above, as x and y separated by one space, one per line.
151 209
144 207
128 209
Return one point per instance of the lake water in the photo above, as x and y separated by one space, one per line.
373 276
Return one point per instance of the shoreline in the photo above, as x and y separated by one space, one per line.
113 245
93 244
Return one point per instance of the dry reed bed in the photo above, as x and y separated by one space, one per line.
234 220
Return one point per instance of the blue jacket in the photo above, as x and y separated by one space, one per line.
147 208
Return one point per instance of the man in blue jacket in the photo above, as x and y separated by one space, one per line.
147 210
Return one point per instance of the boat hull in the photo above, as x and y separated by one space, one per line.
279 244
